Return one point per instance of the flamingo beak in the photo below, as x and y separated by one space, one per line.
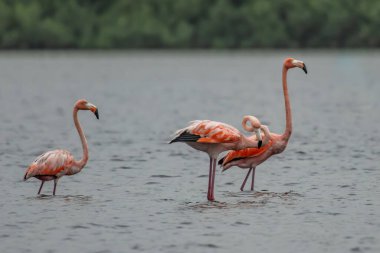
304 68
94 109
259 139
300 64
96 113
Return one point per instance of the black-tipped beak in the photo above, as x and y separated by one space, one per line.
96 113
304 68
259 144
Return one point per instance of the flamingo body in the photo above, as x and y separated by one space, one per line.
240 155
211 137
52 164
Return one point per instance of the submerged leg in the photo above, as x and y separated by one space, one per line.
245 180
42 183
211 180
55 186
253 178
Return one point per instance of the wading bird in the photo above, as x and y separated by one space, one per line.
54 164
214 138
252 157
249 153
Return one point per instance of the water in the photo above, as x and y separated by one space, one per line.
139 194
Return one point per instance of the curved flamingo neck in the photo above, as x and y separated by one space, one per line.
288 130
267 135
82 162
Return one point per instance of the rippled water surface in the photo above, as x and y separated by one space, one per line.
139 194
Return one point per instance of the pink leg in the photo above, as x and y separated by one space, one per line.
55 186
42 183
211 180
253 178
245 180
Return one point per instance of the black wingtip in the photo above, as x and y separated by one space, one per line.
186 137
96 113
220 162
259 144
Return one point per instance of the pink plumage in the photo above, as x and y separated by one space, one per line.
250 157
54 164
214 138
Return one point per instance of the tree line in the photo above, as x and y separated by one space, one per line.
189 24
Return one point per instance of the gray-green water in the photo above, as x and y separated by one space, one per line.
139 194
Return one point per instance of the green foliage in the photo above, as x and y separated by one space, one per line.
189 23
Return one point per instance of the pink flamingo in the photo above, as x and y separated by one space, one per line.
214 138
54 164
274 143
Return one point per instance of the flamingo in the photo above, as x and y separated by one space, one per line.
54 164
248 152
276 143
214 138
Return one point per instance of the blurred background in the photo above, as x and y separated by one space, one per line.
189 24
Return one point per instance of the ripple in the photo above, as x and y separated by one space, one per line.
208 245
79 227
290 184
97 225
186 223
75 198
117 159
179 154
120 226
203 206
356 249
238 223
163 176
140 160
148 183
167 200
125 167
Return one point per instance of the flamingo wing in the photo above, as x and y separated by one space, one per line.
244 153
51 163
207 131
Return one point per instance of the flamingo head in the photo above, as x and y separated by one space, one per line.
82 104
255 126
292 63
